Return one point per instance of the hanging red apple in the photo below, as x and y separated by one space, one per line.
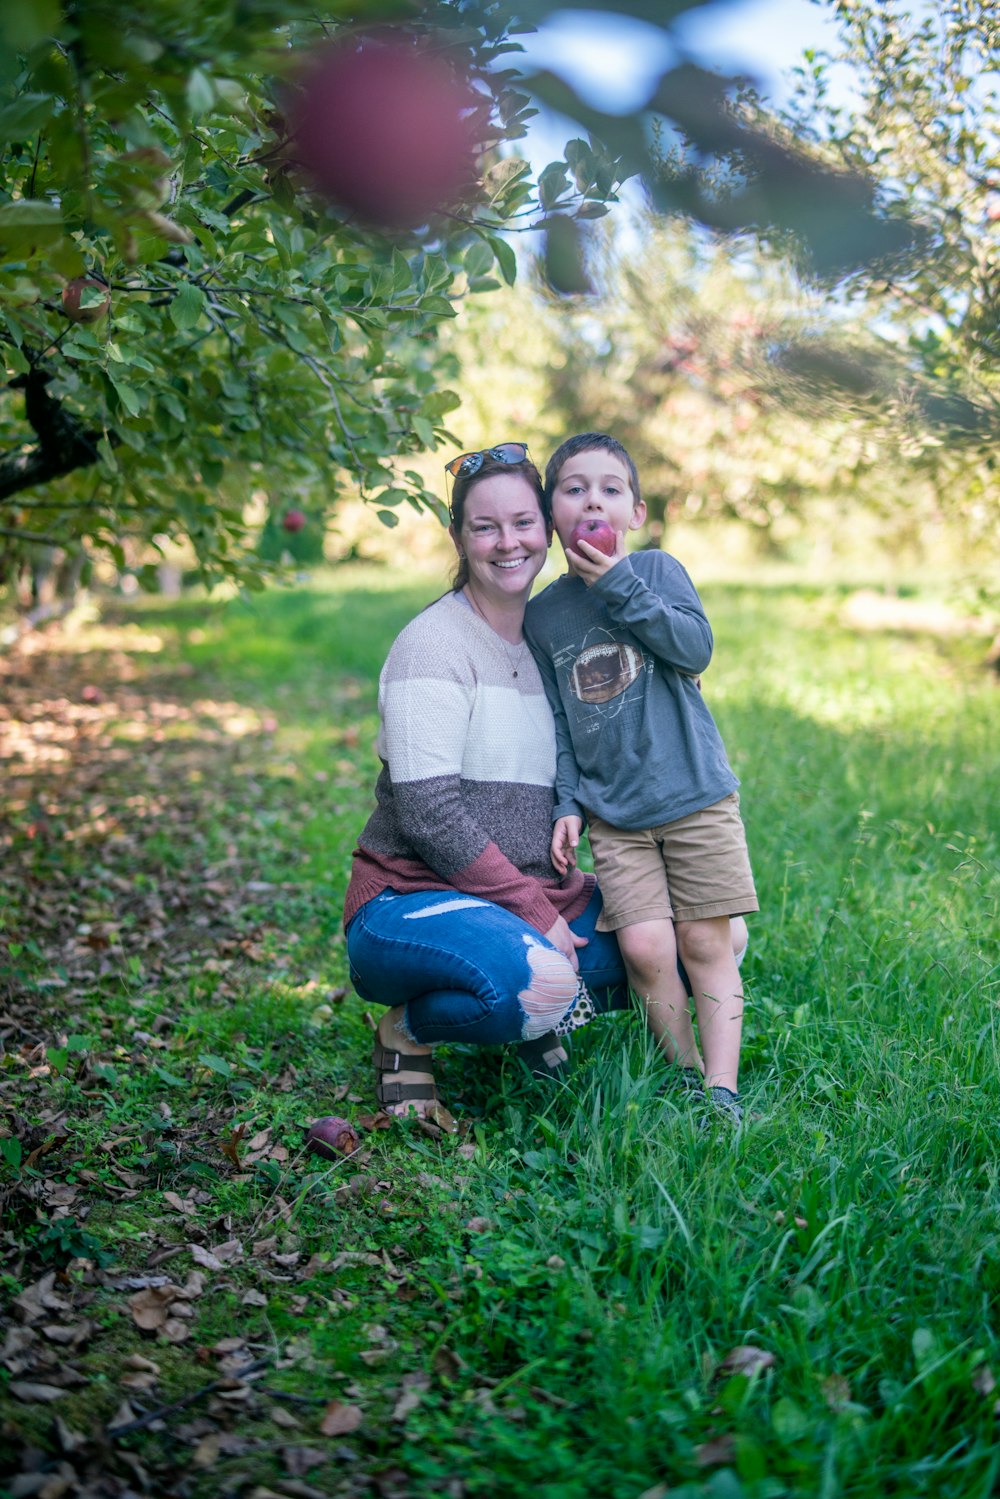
293 520
387 130
85 301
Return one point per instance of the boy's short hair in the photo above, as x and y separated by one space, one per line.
588 442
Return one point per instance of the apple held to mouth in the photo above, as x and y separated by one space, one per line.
597 533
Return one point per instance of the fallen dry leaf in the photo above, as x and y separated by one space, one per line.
204 1257
299 1460
24 1390
149 1307
836 1391
414 1388
229 1145
280 1417
716 1452
745 1359
340 1418
479 1225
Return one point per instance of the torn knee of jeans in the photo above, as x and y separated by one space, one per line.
403 1029
550 992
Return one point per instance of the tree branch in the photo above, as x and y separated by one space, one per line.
63 444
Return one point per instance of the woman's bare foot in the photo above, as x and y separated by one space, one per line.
392 1038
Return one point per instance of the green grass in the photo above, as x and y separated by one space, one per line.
568 1342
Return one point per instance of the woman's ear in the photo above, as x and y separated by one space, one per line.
458 545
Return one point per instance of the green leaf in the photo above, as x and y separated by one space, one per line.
16 361
29 221
789 1421
127 394
504 173
24 24
552 184
23 116
200 92
187 306
170 1078
440 306
215 1064
582 163
388 518
505 257
11 1151
925 1349
402 276
478 259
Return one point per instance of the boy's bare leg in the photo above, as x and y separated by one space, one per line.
649 949
706 949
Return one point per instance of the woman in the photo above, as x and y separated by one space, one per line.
456 919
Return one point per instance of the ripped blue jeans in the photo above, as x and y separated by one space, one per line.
468 970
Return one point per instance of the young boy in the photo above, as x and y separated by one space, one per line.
620 642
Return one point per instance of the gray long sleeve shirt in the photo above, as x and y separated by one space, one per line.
636 743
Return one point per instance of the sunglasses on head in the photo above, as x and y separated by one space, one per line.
470 463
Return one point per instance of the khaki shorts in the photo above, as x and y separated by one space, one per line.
686 870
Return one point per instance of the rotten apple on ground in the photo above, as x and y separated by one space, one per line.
388 129
293 520
84 300
597 533
331 1137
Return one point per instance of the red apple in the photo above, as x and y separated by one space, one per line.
293 520
387 130
331 1137
595 531
85 301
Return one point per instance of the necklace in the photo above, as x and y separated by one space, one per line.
515 661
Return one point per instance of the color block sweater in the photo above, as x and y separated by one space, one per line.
466 791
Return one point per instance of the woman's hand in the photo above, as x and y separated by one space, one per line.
565 837
566 941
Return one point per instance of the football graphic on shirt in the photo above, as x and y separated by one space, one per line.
603 671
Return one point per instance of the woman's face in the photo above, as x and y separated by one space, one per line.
503 536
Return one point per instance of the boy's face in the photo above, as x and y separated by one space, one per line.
595 483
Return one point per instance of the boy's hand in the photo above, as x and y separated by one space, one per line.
565 837
588 563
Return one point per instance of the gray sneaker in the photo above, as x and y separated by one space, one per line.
681 1083
723 1105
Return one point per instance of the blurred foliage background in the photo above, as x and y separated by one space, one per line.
790 316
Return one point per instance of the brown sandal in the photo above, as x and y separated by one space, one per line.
386 1062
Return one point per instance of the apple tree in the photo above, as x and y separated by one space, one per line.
195 304
184 313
